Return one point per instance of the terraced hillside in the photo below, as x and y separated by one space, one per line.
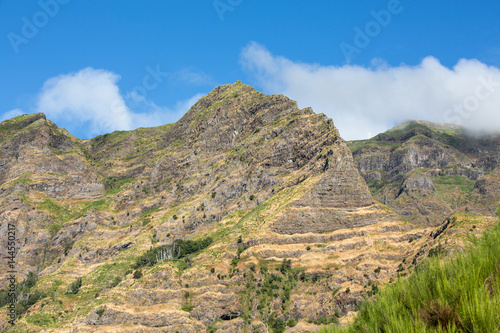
246 215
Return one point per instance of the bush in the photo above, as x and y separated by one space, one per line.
74 287
116 281
137 274
291 322
100 312
187 307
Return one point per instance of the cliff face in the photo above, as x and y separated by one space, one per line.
294 231
425 172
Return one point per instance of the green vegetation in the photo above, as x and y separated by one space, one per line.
74 287
62 214
179 249
41 319
25 294
460 295
113 185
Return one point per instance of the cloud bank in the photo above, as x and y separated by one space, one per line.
366 101
89 103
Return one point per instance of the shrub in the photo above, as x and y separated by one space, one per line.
100 312
116 281
137 274
187 307
74 287
252 196
291 322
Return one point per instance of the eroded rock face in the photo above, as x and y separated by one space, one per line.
265 180
426 172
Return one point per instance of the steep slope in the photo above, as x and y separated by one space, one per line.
277 216
425 172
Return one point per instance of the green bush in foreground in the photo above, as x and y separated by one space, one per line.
461 295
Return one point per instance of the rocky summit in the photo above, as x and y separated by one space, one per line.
246 215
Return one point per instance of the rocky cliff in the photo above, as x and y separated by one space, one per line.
426 172
245 215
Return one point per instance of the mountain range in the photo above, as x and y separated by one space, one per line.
248 214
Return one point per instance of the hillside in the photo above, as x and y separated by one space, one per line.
245 215
426 172
457 295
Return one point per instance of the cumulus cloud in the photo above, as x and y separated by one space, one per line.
89 96
364 101
89 102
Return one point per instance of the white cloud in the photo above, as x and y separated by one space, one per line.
365 101
91 103
11 114
88 96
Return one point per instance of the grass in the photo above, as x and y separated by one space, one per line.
62 214
459 295
41 319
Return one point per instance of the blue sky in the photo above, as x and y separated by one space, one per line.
98 66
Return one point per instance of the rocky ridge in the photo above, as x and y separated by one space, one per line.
426 172
266 181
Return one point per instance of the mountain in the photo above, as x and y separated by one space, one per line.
426 172
246 215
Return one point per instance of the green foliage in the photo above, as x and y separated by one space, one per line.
187 307
252 196
67 247
291 322
74 287
113 185
461 295
286 266
41 319
24 294
100 312
277 325
116 281
179 249
137 274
